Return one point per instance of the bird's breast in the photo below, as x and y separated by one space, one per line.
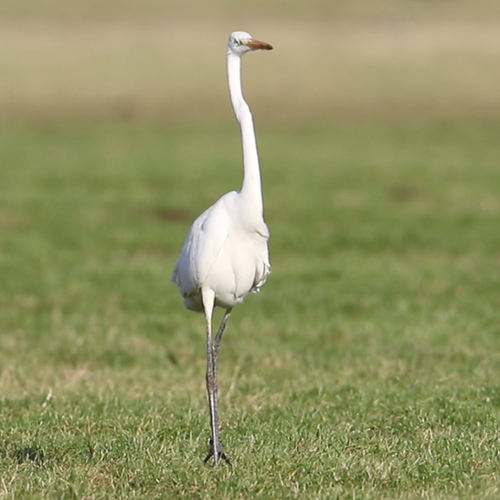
237 269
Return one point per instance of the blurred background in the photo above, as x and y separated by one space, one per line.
376 340
333 59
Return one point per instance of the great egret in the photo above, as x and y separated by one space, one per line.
225 253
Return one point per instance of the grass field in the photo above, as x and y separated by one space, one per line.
369 365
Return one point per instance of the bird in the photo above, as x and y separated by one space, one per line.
225 254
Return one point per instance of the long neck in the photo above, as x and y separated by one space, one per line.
251 189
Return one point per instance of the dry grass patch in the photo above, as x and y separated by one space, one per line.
175 70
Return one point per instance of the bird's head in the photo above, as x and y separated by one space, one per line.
241 42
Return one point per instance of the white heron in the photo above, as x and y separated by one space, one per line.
225 254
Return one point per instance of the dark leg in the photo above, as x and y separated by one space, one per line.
213 347
218 337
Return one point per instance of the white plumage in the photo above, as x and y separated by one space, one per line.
225 254
222 254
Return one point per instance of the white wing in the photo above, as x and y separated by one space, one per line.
203 243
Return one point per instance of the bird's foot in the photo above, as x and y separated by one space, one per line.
220 454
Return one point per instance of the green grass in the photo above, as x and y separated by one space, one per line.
368 367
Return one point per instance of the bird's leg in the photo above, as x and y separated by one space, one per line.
215 355
211 379
213 346
208 304
218 337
